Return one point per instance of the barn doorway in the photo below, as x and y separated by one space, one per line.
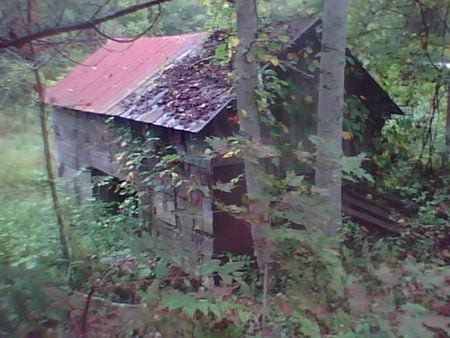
109 189
230 233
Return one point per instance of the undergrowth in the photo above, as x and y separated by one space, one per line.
28 231
122 282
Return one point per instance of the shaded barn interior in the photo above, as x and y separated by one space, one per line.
174 87
106 188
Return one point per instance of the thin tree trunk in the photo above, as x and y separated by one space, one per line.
63 233
246 77
330 112
447 129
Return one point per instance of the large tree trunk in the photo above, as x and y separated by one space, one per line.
246 77
330 111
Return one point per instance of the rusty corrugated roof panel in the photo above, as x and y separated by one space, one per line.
116 70
187 95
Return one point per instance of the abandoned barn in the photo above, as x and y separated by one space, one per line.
175 87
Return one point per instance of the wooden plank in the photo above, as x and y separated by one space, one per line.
207 215
63 117
189 248
366 206
66 153
362 196
164 207
102 161
393 201
369 220
197 161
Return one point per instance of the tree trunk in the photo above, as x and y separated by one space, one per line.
330 112
63 234
447 129
40 89
246 77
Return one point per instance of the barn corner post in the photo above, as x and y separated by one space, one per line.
330 115
145 194
245 83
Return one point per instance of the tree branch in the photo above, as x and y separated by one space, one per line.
72 27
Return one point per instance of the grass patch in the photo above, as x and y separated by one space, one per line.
28 233
22 168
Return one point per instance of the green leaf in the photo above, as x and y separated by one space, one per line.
224 186
244 316
231 267
214 308
56 315
294 180
309 327
203 306
175 300
415 308
143 272
209 267
160 270
220 53
190 310
152 293
199 332
352 168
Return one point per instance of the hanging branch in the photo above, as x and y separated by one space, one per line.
72 27
430 132
429 135
145 31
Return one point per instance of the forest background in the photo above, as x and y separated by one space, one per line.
370 286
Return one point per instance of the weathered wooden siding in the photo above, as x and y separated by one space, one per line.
84 141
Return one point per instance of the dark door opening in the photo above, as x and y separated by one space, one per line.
109 189
230 233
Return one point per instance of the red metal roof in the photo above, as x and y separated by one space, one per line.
116 70
173 82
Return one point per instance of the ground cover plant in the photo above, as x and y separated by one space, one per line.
120 281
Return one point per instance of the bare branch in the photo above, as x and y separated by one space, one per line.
90 24
150 27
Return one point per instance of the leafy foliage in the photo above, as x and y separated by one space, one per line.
124 282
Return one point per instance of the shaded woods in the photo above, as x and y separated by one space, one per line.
224 168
